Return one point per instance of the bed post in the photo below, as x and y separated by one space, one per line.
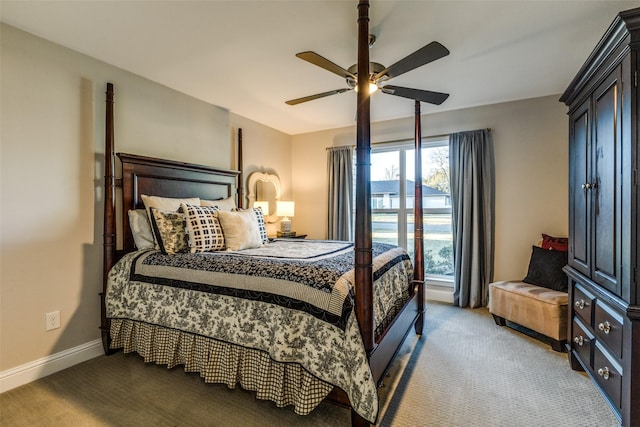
363 241
418 250
109 243
240 187
363 253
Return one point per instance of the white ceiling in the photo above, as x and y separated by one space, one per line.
240 55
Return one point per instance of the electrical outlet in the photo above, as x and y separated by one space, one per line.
52 320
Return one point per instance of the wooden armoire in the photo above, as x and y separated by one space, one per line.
604 218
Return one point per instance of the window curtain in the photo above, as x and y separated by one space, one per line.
471 167
340 173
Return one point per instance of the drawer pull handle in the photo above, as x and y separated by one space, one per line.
579 340
605 327
604 372
580 304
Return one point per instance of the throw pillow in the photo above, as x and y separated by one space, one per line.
170 230
261 222
165 204
141 229
241 230
227 204
203 227
554 243
261 225
545 269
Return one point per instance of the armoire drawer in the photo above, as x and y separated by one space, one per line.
607 325
608 373
583 304
582 342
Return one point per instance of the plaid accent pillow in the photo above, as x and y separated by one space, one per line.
261 225
203 227
170 231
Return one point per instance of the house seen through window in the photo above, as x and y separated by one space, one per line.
392 202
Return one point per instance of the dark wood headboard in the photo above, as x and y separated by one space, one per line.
168 178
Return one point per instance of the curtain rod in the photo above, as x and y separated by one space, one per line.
448 134
388 142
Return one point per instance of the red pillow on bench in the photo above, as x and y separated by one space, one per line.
555 243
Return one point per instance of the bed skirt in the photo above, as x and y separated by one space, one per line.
221 362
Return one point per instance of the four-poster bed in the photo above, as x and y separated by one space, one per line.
355 301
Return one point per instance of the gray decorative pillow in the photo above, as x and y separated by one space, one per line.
170 230
203 227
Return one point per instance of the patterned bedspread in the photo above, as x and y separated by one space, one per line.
293 299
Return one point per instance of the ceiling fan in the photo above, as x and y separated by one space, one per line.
379 74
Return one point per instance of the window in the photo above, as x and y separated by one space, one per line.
392 202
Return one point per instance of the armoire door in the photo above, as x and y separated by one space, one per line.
579 189
606 188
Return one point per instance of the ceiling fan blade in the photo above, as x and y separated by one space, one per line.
420 57
323 62
316 96
436 98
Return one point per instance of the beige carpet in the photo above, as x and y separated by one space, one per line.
464 371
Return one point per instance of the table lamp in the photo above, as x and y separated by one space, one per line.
285 210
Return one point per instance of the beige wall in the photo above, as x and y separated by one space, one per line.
51 169
530 139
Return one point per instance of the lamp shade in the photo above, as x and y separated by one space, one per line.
285 209
264 205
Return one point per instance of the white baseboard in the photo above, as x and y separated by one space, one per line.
40 368
439 293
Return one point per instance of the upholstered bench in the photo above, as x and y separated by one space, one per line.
537 308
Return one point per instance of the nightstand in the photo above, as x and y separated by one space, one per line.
290 235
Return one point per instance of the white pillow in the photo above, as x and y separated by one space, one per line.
164 204
262 228
240 229
203 227
141 229
227 204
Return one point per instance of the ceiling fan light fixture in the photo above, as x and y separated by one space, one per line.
372 88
